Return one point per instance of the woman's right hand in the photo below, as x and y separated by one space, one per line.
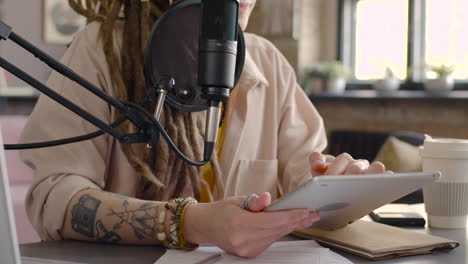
238 231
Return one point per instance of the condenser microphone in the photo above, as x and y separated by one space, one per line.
171 71
217 61
195 67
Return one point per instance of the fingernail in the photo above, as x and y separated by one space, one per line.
322 169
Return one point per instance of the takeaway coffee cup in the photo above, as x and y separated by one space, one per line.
446 200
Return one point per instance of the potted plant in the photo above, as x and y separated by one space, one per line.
337 74
444 81
330 77
388 84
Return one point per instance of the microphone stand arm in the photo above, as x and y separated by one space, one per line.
148 126
130 113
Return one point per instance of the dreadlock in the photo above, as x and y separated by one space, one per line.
165 175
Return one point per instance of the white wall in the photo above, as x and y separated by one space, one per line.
318 38
317 28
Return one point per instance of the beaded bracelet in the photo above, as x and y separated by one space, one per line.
178 207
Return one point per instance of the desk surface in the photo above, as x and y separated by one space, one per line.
94 253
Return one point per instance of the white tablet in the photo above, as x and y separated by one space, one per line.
346 198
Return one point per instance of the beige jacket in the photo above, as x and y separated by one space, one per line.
272 129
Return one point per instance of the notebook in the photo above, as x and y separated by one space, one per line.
377 241
290 252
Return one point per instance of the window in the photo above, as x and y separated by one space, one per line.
381 38
446 38
403 34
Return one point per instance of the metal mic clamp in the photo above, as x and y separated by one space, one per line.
164 86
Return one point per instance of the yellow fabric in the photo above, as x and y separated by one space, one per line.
207 171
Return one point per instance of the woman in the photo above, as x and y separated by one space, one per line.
100 190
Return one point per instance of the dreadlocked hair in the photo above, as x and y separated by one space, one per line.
164 175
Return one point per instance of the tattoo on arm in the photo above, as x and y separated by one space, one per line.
143 221
84 215
105 235
83 220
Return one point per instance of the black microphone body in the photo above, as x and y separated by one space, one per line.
217 60
218 48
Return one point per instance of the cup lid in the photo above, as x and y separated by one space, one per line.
444 148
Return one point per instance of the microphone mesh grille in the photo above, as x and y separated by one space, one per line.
220 20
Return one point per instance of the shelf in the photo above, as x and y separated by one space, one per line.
372 95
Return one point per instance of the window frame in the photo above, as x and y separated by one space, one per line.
346 48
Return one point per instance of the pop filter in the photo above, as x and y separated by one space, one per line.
172 51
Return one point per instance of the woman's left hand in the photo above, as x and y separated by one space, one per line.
343 164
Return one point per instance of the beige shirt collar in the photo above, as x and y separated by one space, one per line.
251 72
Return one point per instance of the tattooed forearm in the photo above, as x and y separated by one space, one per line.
102 216
146 222
84 215
84 220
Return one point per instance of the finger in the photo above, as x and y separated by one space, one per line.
365 161
317 156
258 204
329 158
357 167
339 165
269 220
306 223
255 204
320 171
389 172
239 200
376 168
236 200
317 162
